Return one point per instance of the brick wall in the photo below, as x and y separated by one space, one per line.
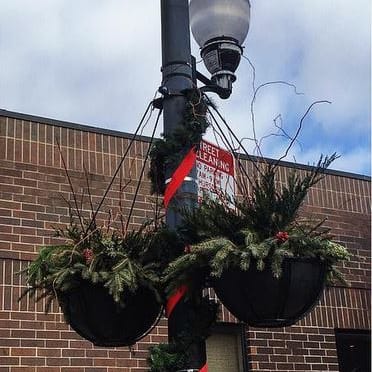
310 345
32 188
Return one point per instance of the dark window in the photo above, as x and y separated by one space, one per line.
353 350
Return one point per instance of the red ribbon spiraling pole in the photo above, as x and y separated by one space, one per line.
174 299
177 178
172 302
179 175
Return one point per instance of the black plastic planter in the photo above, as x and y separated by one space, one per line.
93 314
260 300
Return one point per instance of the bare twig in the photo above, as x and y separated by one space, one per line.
236 138
142 170
71 186
241 186
299 128
280 133
109 220
88 189
121 202
82 198
70 209
257 90
253 72
134 136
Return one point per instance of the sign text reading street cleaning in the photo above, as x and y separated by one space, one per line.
216 171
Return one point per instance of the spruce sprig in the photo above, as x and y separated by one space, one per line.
262 229
119 263
213 256
274 207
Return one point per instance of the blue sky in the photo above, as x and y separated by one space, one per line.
98 62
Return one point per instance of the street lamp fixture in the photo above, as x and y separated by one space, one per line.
220 28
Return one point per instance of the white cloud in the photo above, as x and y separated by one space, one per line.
324 47
99 63
95 63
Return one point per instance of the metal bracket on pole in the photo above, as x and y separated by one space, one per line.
209 86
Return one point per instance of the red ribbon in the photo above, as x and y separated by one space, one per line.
174 299
179 175
171 304
177 178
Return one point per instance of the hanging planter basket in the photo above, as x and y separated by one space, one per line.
260 300
91 311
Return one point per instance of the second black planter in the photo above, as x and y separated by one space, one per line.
260 300
93 314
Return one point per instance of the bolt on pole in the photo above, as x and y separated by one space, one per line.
177 76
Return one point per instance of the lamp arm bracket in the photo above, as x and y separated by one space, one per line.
209 86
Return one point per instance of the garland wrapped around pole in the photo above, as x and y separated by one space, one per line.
177 309
168 152
174 156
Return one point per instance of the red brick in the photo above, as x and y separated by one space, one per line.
10 361
29 361
319 367
58 361
23 352
49 352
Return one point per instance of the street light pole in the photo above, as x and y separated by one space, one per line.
177 76
219 27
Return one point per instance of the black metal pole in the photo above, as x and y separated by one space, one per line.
177 76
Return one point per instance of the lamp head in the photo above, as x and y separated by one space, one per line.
220 27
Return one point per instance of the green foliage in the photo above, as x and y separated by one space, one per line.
166 153
262 229
119 263
175 356
166 358
210 220
272 207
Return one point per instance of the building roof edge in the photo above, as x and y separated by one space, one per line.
117 133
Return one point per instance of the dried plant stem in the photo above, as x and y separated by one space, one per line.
71 186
